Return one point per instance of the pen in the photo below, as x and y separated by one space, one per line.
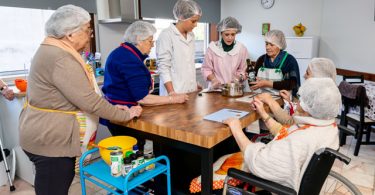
235 111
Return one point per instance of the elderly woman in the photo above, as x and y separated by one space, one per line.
61 89
285 158
175 50
127 81
225 60
6 91
317 68
276 69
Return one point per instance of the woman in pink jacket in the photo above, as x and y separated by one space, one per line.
225 60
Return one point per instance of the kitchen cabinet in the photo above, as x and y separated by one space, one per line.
303 49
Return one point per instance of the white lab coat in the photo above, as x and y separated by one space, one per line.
175 57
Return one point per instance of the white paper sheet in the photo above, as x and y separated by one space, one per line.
225 113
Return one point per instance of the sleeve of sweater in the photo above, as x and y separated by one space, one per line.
277 161
282 117
207 66
69 77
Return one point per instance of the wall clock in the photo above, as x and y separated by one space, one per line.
266 4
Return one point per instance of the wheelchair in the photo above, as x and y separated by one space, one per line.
317 179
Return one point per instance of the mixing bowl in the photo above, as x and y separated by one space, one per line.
126 143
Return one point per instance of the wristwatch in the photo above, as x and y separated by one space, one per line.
3 87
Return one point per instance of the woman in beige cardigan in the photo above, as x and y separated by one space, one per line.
62 87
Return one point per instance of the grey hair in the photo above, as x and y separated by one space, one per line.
65 20
138 31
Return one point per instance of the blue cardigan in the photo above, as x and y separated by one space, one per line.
126 78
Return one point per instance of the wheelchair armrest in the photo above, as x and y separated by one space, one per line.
259 182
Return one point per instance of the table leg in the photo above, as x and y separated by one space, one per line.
207 171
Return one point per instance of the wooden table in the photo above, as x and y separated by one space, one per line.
182 126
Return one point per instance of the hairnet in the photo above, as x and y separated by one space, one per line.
65 20
320 97
185 9
139 31
277 38
229 23
323 68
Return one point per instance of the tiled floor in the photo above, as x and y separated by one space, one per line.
360 171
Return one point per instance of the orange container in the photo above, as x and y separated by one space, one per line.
21 84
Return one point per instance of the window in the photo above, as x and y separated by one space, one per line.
21 34
201 37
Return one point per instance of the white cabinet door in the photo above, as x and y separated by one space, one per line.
302 47
302 65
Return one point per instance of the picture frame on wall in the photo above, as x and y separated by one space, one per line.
265 28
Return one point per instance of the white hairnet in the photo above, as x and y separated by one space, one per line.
229 23
185 9
277 38
139 31
65 20
320 97
323 68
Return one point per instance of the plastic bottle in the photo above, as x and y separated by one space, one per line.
140 160
251 71
134 163
127 167
135 149
148 147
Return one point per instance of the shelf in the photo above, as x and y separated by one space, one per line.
101 171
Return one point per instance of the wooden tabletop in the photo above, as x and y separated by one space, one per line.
184 122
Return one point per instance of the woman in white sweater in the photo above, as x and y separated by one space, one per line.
285 158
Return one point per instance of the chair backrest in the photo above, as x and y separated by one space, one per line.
360 100
353 78
316 172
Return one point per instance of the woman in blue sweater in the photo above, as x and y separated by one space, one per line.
127 81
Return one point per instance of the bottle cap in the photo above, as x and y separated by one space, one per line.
128 153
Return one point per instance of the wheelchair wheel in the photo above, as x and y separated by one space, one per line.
338 184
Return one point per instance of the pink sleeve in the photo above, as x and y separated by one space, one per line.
207 66
244 54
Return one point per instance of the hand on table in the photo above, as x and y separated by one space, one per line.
233 123
135 111
285 95
179 98
260 84
215 84
258 106
265 97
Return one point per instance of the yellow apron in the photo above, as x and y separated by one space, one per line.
88 123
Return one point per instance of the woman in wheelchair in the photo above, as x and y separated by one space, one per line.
285 158
317 68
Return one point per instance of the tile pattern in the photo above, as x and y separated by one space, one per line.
360 171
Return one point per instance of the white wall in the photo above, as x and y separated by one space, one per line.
346 28
283 16
348 34
110 37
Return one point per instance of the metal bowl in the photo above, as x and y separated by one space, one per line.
232 90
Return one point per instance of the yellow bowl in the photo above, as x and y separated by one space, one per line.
125 142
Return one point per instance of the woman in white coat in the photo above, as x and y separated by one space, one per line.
175 50
225 60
